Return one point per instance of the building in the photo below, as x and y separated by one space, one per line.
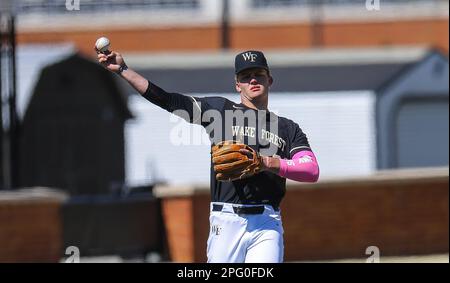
194 25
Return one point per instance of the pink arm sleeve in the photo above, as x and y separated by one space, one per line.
302 168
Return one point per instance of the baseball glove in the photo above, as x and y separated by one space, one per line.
233 160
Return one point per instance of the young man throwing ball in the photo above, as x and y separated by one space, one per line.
252 154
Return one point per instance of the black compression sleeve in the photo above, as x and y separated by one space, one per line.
157 96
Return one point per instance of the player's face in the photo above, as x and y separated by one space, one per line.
253 83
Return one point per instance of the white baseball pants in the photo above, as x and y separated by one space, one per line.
238 238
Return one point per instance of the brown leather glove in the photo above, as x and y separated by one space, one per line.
233 160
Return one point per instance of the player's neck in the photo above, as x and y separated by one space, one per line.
258 104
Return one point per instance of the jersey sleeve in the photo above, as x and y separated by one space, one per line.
189 108
299 141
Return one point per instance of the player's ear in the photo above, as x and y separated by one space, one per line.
238 88
270 80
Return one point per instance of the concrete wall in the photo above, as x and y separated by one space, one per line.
400 212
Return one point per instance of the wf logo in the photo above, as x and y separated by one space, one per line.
216 229
72 5
373 5
249 56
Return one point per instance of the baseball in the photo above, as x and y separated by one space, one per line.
102 44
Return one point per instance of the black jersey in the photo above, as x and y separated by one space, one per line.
223 119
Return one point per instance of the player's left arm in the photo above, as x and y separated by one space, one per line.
302 166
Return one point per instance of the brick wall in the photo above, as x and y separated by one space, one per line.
30 228
332 219
341 221
187 226
180 228
433 32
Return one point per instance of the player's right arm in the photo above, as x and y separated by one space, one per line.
193 107
114 61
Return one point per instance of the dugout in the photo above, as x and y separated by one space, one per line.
72 134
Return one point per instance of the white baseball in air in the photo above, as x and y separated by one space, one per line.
102 44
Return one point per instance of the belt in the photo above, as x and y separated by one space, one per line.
242 209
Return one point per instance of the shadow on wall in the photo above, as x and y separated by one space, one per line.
130 227
72 132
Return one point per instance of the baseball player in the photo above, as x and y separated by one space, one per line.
250 158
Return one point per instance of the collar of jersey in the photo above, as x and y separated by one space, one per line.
241 105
